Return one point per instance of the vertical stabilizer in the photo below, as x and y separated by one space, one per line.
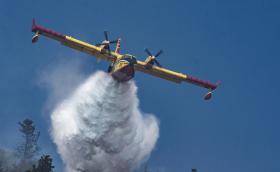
118 46
33 24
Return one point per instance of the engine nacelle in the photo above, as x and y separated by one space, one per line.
149 59
208 96
35 38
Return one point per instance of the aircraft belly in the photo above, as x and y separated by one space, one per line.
123 74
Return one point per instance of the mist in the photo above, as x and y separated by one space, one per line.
98 126
10 162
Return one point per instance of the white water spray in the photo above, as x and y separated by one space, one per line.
99 128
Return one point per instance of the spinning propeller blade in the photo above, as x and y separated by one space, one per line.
148 52
107 42
106 35
154 60
113 42
159 53
159 65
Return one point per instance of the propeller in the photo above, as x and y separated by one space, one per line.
157 54
107 42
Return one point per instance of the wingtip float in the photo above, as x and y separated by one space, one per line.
123 66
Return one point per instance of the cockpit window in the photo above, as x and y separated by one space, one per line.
129 58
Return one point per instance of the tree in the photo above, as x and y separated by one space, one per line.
44 165
1 168
146 168
29 148
7 161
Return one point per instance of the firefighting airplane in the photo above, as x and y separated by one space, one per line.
122 66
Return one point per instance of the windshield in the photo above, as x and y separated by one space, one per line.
129 58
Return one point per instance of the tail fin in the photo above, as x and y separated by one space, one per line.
33 25
118 46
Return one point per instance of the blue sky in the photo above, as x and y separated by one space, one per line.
236 42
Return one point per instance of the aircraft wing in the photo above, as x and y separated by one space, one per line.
172 75
73 43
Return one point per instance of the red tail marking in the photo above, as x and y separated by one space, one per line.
33 24
118 46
